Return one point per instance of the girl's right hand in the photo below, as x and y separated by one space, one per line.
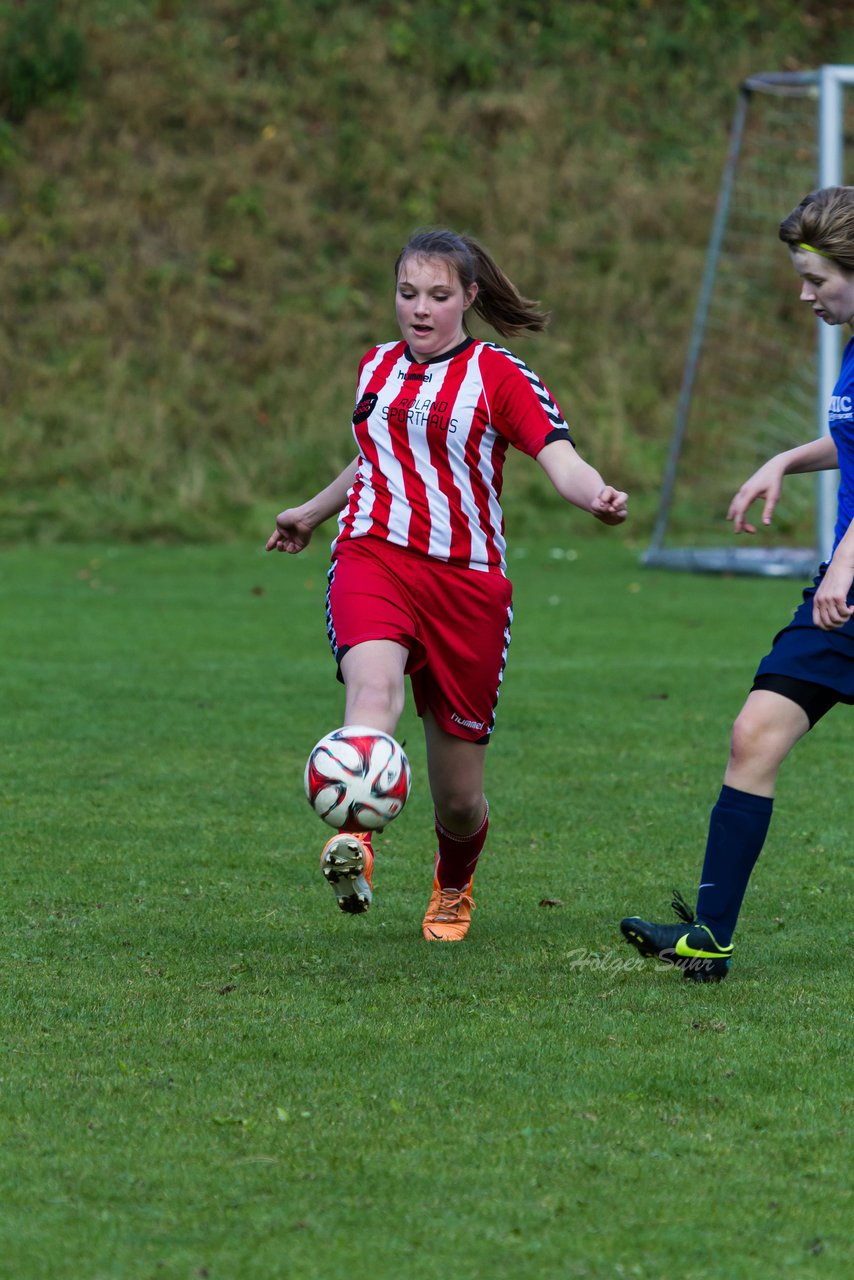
830 607
293 532
610 505
765 483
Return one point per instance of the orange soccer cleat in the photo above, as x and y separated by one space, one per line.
347 862
448 915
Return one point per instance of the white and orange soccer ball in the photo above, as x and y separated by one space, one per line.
358 776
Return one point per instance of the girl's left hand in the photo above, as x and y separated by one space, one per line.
830 607
610 505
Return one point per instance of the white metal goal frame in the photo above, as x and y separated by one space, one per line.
828 85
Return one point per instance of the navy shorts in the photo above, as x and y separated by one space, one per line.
802 651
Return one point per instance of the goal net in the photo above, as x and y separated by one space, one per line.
751 384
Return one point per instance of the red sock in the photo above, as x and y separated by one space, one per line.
458 855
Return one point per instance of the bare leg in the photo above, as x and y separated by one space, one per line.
374 680
373 675
766 729
455 768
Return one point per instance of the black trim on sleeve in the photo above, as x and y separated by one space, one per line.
559 433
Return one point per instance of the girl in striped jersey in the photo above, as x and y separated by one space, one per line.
418 582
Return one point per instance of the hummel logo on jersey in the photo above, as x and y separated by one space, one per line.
364 409
413 375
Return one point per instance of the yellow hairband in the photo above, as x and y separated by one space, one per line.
809 248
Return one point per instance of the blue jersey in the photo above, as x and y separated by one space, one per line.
841 421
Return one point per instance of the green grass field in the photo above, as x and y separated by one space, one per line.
207 1071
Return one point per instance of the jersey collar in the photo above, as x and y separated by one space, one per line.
446 355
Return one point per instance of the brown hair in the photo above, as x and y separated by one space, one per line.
824 220
498 301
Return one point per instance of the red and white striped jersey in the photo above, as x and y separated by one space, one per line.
432 440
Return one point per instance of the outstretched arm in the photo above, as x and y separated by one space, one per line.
818 455
579 483
295 525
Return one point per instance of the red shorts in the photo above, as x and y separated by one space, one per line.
454 622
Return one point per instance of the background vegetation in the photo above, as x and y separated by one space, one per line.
201 203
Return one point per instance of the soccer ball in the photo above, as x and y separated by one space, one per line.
358 776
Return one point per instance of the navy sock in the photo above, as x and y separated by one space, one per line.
737 829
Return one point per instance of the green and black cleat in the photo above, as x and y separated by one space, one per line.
692 949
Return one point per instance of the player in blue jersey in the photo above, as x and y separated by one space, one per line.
811 664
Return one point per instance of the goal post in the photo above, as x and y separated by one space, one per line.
749 386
